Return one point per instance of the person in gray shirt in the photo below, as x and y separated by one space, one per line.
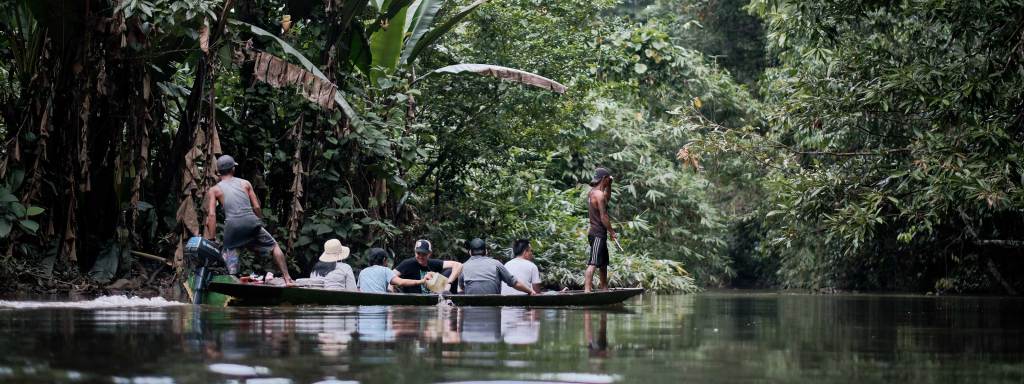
482 275
243 227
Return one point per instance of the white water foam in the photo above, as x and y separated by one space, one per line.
238 369
143 380
444 303
97 303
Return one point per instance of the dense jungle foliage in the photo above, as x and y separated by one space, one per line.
821 145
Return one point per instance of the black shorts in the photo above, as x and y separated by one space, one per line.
598 251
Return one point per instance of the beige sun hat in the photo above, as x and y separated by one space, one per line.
334 251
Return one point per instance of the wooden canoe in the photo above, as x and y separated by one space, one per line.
256 294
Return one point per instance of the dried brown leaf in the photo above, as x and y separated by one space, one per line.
687 158
68 245
146 87
279 73
204 38
294 74
274 73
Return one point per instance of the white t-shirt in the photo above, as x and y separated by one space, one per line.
525 271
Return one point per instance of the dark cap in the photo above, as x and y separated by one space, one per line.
477 246
376 256
225 163
599 174
423 246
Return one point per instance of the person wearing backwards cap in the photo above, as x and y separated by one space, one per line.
600 227
416 268
242 225
482 275
335 274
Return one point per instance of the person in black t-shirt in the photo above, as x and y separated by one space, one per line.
416 268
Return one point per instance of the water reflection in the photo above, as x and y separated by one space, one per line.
597 342
480 325
520 325
337 329
705 338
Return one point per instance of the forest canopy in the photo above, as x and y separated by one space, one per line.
829 145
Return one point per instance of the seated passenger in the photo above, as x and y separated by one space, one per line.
329 269
483 275
419 266
522 267
378 276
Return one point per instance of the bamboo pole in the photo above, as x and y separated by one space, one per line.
152 257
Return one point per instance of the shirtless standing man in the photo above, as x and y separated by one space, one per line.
242 224
600 228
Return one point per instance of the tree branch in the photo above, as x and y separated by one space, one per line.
1000 243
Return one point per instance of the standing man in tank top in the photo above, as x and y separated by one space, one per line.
600 228
242 225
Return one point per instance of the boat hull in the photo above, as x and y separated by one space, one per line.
251 294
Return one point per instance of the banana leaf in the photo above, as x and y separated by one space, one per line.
386 46
359 48
503 73
420 22
429 38
308 65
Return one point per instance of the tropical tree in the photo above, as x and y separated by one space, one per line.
893 144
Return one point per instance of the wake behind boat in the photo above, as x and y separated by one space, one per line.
258 294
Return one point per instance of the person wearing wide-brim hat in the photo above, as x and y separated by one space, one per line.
329 268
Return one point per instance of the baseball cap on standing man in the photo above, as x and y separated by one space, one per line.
225 163
599 174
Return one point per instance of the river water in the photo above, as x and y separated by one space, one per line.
705 338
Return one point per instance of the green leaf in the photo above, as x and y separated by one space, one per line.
386 46
420 23
5 228
7 197
17 176
436 33
29 225
359 49
34 210
322 229
17 209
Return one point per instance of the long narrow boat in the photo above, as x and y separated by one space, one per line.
255 294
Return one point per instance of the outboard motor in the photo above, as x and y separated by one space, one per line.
203 254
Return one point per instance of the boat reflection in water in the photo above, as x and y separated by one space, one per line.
340 341
711 337
520 325
335 329
380 324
